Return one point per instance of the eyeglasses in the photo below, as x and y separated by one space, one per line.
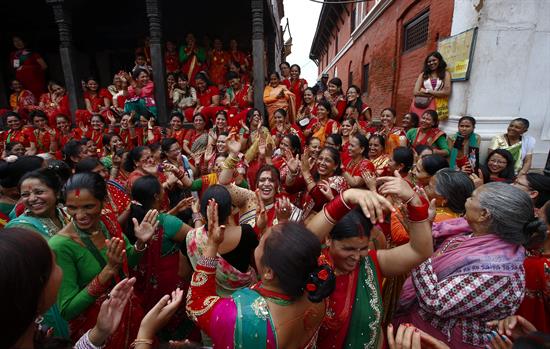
498 162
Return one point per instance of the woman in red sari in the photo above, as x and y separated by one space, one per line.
428 133
196 139
29 67
95 132
63 134
97 100
16 133
359 163
347 129
323 125
335 96
295 84
238 100
94 254
218 60
21 100
354 98
176 129
322 183
308 109
354 315
42 132
54 102
283 127
209 98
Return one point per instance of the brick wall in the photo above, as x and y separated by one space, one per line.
392 73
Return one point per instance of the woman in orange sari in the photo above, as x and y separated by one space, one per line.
394 135
378 156
277 96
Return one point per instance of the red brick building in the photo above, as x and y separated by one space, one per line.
380 45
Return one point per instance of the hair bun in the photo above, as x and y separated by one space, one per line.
321 283
535 233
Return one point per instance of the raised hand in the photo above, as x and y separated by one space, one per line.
478 179
216 231
83 127
145 230
372 204
293 163
395 186
111 311
116 250
233 143
160 314
283 209
325 189
334 127
184 203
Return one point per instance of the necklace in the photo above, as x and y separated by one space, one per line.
48 224
273 296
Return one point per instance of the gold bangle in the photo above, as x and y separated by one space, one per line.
141 341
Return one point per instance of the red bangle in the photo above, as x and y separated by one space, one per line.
96 289
418 213
337 208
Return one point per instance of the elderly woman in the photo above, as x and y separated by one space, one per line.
520 146
476 275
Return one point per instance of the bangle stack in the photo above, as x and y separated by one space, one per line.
96 289
309 180
418 213
197 216
230 163
208 262
336 209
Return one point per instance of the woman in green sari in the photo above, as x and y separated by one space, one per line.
519 145
39 193
354 312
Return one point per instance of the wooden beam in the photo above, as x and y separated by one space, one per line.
157 59
257 8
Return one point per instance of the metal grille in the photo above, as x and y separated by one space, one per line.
416 31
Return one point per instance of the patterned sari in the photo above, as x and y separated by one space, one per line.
273 103
229 279
354 315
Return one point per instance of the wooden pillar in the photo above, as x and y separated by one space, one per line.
258 52
66 51
157 59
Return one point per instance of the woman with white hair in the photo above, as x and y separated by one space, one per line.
476 275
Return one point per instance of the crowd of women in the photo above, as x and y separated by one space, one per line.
317 223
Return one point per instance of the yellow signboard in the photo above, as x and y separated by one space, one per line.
458 50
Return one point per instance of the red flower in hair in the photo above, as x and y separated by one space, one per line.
323 274
311 287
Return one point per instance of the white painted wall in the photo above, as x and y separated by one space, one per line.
510 69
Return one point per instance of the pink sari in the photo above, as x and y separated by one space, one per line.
440 298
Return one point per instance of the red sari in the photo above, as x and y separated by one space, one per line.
205 99
53 108
24 136
218 66
296 87
43 141
28 71
535 306
238 106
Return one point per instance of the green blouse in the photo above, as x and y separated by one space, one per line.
171 225
79 269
